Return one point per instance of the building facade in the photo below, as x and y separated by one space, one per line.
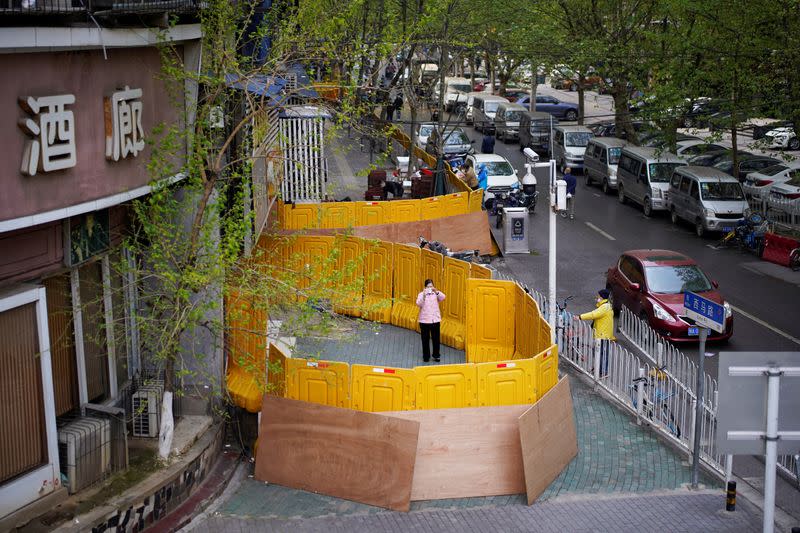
78 104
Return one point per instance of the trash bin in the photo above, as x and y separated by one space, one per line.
515 234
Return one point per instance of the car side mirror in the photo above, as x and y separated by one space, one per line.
715 284
636 287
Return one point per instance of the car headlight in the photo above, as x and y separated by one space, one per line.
662 313
613 173
747 213
728 310
657 193
710 213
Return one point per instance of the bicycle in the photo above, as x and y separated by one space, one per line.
660 398
794 259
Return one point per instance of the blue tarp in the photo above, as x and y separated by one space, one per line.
259 84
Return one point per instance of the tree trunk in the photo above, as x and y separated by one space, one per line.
581 98
534 86
622 116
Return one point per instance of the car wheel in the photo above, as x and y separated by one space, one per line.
621 194
606 187
647 207
571 115
794 143
673 216
699 228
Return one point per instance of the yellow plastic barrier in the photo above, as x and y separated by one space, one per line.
377 388
479 272
246 375
445 387
301 216
378 270
454 307
490 320
507 382
456 204
431 264
313 262
403 211
475 201
337 215
431 208
276 373
526 315
371 213
350 264
407 284
323 382
547 370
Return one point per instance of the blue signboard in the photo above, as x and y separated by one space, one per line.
692 331
704 311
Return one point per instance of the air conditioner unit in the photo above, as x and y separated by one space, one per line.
84 450
146 410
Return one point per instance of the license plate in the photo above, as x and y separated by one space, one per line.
726 229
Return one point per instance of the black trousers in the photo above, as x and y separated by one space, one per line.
429 331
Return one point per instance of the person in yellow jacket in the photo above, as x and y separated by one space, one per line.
603 327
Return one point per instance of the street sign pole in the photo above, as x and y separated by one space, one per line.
551 259
698 418
771 451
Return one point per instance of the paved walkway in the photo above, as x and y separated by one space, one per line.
679 511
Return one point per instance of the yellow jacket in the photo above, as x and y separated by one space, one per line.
603 318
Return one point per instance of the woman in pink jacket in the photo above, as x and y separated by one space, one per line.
429 319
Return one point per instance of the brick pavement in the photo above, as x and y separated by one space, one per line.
676 511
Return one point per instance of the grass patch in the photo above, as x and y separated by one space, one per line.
141 463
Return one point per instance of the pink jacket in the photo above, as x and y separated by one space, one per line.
429 307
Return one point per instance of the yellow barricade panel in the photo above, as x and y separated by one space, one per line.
456 204
432 267
350 265
313 253
447 386
454 307
476 201
337 215
528 327
403 211
377 389
407 284
371 213
544 335
378 270
547 370
479 272
490 320
302 216
431 208
323 382
276 372
507 382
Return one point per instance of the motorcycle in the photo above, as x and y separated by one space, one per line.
748 234
513 196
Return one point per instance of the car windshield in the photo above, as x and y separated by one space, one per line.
662 172
774 169
459 88
613 155
457 137
425 131
721 190
676 279
578 138
490 107
514 116
499 168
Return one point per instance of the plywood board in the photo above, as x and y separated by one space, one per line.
363 457
548 439
467 452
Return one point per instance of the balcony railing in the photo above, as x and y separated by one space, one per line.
96 7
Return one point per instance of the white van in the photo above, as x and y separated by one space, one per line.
600 161
706 197
470 101
455 94
569 146
506 121
643 175
484 108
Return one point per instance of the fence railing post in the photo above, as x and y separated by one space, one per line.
660 354
639 396
692 425
596 358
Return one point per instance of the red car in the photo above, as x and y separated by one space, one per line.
651 283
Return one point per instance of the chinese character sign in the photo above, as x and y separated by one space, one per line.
51 128
124 133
